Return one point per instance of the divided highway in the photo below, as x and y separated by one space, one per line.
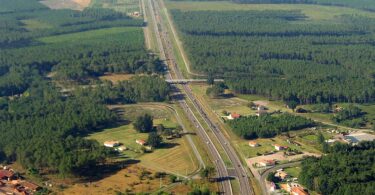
166 52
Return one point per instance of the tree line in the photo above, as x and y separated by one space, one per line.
267 126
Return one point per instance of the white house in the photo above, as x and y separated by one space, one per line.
111 144
253 144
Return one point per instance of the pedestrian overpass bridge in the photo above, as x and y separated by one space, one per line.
185 81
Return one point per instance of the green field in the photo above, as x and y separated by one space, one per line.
177 158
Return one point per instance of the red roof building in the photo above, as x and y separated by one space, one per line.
140 142
30 186
6 174
298 191
265 163
234 116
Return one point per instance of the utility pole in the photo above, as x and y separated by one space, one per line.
160 182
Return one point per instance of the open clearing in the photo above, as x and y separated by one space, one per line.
314 12
175 157
67 4
116 78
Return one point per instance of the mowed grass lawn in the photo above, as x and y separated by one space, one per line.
176 157
293 171
93 34
313 12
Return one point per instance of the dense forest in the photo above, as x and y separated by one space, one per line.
345 170
367 5
282 55
41 131
39 40
267 126
361 4
43 122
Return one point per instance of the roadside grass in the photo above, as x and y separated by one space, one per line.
150 28
32 24
179 59
93 34
124 6
236 189
215 141
313 12
197 141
